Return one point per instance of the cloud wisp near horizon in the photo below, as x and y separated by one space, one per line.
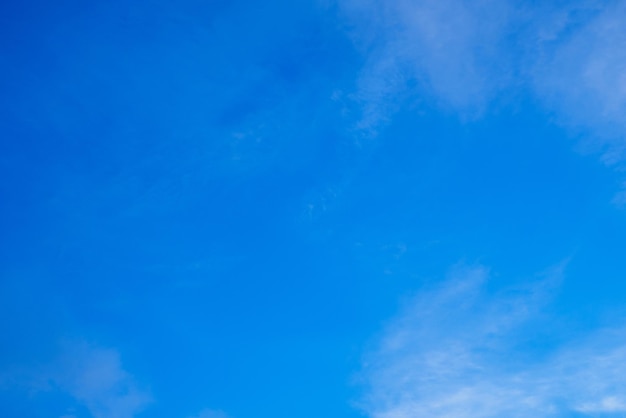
459 350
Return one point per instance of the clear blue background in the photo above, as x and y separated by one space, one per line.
183 181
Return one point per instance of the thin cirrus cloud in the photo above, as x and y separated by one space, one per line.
94 377
458 351
466 55
210 413
582 75
440 43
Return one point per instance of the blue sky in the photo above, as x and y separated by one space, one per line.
325 208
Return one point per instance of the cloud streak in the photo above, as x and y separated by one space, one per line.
211 413
581 74
458 351
466 56
92 376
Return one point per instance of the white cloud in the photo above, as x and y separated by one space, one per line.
451 48
583 76
456 351
94 376
620 198
211 413
467 54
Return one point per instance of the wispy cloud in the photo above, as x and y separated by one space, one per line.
211 413
581 73
467 55
96 378
452 50
458 351
93 376
449 46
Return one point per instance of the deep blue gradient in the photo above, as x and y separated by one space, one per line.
183 182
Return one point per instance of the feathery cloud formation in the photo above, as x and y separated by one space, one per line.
457 351
92 376
468 55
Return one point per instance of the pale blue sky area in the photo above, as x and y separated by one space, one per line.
324 208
